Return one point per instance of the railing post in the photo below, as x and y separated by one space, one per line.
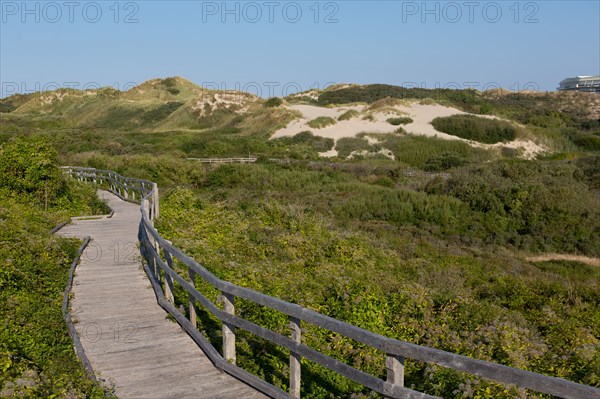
154 244
168 279
295 359
228 330
395 369
192 304
155 205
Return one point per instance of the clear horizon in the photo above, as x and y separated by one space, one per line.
273 48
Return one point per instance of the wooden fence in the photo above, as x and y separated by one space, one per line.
223 160
160 254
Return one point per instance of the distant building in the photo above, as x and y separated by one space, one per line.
590 84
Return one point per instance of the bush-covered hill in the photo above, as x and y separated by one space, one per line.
155 105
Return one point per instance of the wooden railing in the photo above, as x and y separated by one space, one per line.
128 188
224 160
160 254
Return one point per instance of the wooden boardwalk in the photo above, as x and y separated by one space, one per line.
126 335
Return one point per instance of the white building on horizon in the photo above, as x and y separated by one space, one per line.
590 84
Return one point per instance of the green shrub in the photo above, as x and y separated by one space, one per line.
30 167
444 161
273 102
400 121
470 127
6 107
321 122
161 112
319 144
417 150
369 117
351 113
346 145
587 141
509 152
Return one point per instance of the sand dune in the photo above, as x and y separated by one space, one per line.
421 114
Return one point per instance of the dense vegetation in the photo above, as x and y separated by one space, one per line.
470 127
430 247
304 141
467 99
36 353
430 261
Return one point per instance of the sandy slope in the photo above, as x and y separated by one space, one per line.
422 115
575 258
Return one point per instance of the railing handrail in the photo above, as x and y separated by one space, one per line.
224 160
395 350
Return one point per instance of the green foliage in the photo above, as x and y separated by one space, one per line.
161 112
400 121
396 206
273 102
538 206
121 118
489 131
585 140
406 264
29 167
467 100
444 161
34 342
303 145
6 107
369 117
36 354
418 150
351 113
590 166
321 122
171 85
346 145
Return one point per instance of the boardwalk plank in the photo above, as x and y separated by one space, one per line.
125 333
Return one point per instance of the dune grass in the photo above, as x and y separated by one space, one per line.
470 127
350 114
321 122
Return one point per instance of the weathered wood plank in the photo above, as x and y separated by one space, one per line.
228 329
126 335
295 376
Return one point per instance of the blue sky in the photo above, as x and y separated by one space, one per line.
279 47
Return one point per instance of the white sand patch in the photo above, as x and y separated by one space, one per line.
372 140
528 148
341 129
329 154
421 114
235 100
